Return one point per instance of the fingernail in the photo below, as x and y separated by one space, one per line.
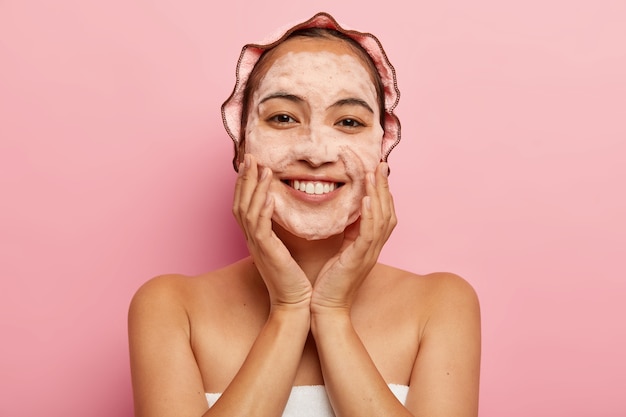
265 173
246 159
368 202
372 178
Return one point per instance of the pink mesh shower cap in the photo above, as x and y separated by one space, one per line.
232 109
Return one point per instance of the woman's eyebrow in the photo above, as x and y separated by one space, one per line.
283 95
352 102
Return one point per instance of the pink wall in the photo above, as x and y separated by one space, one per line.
115 168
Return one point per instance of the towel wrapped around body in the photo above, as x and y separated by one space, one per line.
312 400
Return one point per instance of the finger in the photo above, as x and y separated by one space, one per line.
366 227
355 254
265 217
357 243
249 180
393 219
237 193
372 191
259 205
386 199
267 243
248 183
382 188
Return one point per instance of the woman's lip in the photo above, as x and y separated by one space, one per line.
320 178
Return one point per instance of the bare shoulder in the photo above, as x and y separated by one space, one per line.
176 297
451 288
164 291
448 302
441 283
160 300
163 316
162 288
434 293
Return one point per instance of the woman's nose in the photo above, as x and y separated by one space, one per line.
317 146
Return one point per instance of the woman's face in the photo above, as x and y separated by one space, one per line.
314 120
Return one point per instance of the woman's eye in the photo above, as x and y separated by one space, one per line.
349 123
282 119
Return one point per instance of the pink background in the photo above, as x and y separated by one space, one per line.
116 168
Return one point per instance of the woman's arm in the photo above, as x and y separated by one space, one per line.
166 377
445 378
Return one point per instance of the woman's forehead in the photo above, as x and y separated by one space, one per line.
307 53
319 78
313 44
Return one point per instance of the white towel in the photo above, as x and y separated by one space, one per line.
312 401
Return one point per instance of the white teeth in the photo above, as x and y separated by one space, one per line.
314 187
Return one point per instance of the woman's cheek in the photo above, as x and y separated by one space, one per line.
368 152
262 146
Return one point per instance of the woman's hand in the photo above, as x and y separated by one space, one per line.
253 206
343 274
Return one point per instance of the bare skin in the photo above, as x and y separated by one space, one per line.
306 312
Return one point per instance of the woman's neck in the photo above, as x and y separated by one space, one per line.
311 255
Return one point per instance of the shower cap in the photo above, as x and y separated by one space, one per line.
232 109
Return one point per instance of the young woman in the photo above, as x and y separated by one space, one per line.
310 323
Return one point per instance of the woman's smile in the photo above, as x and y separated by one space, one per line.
313 190
314 187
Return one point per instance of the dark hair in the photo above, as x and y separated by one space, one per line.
260 68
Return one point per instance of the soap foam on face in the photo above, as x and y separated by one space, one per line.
316 146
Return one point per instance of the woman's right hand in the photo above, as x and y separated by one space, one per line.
253 207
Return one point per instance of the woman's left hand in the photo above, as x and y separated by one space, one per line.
341 277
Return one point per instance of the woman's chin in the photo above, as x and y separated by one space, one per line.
314 229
